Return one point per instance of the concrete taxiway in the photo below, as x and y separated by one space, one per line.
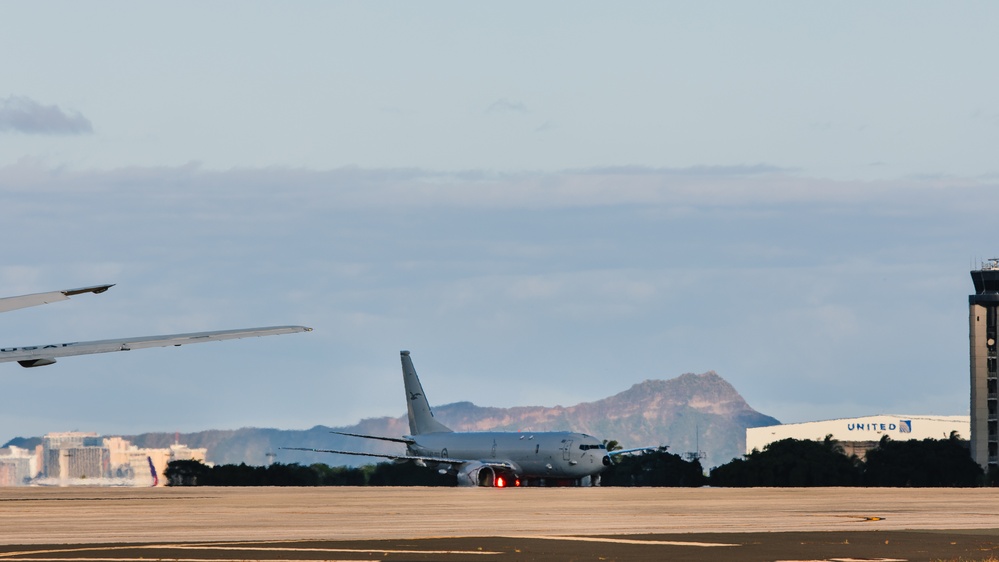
202 524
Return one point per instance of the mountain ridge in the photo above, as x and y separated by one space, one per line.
689 413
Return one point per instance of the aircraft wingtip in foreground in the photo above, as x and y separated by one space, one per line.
24 301
490 458
41 355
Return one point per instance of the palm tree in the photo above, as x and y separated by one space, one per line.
612 445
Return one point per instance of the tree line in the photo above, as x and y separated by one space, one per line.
785 463
794 463
196 473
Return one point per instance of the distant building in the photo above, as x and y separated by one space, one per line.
74 458
184 453
146 466
860 434
75 455
18 465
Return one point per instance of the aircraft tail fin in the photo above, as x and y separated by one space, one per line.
421 418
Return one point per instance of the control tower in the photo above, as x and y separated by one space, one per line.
984 331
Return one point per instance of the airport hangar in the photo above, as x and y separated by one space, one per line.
981 428
859 435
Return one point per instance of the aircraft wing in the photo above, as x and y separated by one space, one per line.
499 464
38 355
13 303
336 452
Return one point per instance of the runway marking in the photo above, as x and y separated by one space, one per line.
14 556
860 517
105 559
868 560
621 541
343 550
850 560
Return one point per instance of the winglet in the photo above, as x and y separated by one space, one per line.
24 301
96 289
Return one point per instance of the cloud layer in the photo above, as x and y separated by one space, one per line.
815 298
25 115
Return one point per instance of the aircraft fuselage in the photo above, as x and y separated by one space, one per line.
557 454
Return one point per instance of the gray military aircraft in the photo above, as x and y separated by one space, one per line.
40 355
491 458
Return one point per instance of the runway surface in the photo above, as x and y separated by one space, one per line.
457 524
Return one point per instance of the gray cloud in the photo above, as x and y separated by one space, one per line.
504 105
25 115
546 126
704 171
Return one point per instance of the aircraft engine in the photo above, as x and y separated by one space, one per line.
481 474
29 363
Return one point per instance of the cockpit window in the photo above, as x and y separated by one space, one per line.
589 447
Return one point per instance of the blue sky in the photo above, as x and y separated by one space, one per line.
545 203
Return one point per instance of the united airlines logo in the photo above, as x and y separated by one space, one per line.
901 426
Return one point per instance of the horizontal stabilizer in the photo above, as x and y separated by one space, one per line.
392 439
